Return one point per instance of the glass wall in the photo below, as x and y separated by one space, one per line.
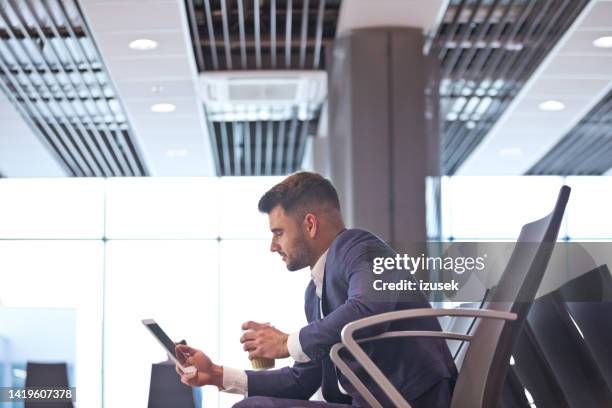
52 260
82 261
192 253
491 208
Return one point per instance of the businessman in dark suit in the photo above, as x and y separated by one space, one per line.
307 230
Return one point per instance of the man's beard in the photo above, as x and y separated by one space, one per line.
301 255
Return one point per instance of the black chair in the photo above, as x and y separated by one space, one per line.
563 353
593 314
481 379
166 389
46 375
513 394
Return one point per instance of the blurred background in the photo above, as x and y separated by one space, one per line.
137 136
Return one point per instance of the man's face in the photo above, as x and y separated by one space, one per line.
288 239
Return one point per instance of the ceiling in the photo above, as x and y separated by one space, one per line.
528 140
173 143
499 60
262 35
488 50
54 75
586 149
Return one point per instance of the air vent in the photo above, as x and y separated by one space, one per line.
262 38
261 34
263 95
273 147
255 93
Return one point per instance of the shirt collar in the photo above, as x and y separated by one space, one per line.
317 272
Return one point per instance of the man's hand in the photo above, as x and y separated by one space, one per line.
208 373
264 341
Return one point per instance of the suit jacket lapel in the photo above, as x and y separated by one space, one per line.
323 303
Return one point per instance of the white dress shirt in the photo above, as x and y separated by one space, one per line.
235 381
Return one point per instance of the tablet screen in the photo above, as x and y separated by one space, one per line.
161 336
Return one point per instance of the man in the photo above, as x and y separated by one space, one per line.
307 230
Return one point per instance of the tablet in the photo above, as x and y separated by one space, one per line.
167 344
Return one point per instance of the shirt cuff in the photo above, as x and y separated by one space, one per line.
235 381
295 348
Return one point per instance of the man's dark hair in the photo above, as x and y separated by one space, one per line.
301 192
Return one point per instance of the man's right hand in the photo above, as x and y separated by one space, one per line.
208 373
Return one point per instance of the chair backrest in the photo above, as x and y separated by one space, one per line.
166 390
484 368
42 375
592 314
562 355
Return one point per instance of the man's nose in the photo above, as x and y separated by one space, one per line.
274 246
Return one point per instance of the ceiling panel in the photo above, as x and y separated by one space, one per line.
159 69
165 74
176 151
168 88
488 50
133 16
170 123
171 44
581 43
552 88
600 17
261 35
585 66
578 76
52 71
527 108
586 149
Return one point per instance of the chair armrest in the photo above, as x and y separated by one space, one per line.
351 327
362 358
334 354
417 333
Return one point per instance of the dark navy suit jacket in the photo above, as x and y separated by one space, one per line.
413 365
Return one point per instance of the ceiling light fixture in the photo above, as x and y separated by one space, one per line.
143 44
163 108
551 106
603 42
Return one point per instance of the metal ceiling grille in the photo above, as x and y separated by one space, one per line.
262 35
52 71
261 147
586 149
487 50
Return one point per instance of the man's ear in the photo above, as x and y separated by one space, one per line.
311 224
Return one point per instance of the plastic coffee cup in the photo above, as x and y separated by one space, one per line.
262 363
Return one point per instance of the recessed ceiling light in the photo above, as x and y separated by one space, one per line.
510 151
163 108
603 42
551 106
143 44
176 152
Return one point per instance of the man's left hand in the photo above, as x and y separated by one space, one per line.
264 341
